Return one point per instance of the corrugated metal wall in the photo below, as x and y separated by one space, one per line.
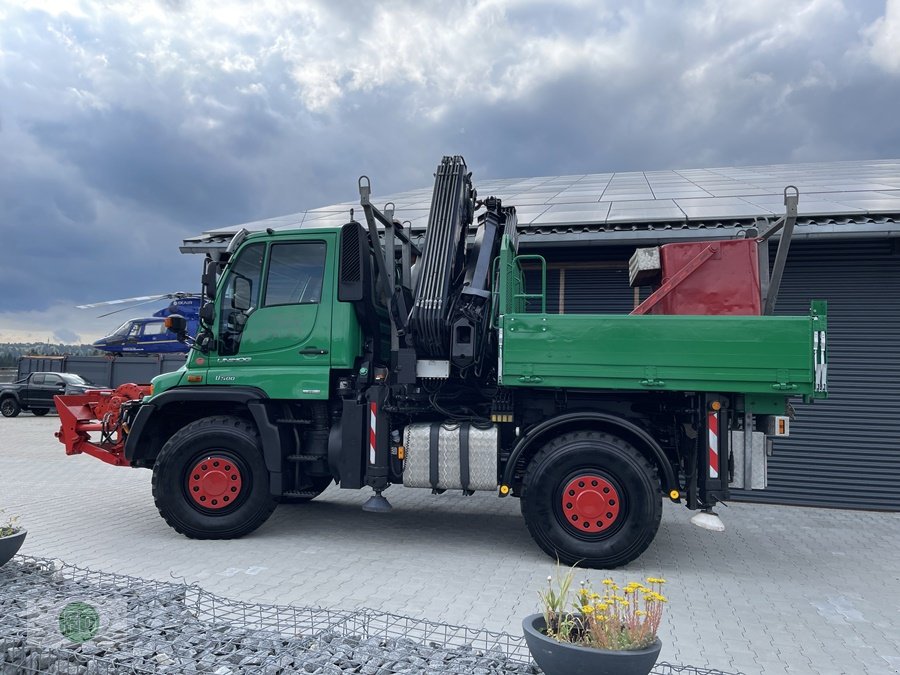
844 451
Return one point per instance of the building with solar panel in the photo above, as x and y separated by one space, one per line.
842 451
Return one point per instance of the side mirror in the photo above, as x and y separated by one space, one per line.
178 325
209 278
241 298
208 313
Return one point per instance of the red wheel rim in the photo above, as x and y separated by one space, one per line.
590 503
214 482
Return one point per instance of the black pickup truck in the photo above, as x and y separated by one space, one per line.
36 391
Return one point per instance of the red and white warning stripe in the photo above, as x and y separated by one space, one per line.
713 426
373 410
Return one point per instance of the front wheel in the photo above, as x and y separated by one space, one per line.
590 498
210 480
9 407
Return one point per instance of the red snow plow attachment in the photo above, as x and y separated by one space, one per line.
98 411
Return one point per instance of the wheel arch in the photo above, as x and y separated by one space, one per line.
642 441
156 422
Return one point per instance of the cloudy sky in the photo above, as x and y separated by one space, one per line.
125 126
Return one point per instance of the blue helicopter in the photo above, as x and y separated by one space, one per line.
149 335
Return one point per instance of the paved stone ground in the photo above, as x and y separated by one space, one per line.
783 590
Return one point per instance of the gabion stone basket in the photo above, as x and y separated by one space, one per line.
58 618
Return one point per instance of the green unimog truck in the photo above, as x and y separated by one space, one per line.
350 355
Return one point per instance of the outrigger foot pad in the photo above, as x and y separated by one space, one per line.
708 520
377 504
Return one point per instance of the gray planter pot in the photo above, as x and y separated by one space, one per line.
560 658
10 545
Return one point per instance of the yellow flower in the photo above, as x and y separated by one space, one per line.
655 580
587 609
602 607
595 596
640 612
608 582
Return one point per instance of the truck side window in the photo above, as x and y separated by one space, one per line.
295 274
248 266
37 379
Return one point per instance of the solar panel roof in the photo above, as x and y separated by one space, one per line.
854 194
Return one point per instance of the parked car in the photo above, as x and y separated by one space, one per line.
36 391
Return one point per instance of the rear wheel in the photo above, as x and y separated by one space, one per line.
9 407
589 498
40 412
210 480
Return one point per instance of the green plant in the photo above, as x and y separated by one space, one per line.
558 622
621 618
10 527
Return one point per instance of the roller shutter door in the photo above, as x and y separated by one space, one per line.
845 451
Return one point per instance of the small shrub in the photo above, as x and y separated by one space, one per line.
10 526
619 618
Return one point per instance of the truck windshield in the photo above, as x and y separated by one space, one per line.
248 266
72 378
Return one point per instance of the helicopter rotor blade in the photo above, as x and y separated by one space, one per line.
125 309
140 298
136 301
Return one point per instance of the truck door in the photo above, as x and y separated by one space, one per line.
40 394
30 392
281 342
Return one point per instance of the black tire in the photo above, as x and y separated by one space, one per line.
618 469
317 484
9 407
235 444
40 412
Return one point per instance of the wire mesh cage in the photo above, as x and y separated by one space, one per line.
57 618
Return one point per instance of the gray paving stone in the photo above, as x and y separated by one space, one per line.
782 590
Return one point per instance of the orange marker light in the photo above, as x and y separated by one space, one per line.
716 405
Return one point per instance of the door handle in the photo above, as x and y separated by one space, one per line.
313 351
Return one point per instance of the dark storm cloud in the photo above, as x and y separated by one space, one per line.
126 128
130 155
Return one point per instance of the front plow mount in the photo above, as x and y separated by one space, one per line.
98 411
